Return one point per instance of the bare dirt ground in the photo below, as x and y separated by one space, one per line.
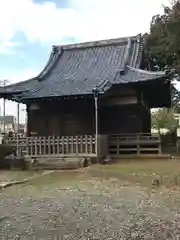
78 206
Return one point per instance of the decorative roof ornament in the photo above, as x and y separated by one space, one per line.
95 92
54 49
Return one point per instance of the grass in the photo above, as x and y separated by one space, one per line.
147 166
144 172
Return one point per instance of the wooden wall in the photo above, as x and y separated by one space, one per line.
62 118
77 117
124 119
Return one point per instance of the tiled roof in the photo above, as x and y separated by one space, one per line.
77 68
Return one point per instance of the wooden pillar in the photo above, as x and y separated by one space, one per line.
4 115
27 121
96 98
17 151
160 146
102 145
138 144
145 116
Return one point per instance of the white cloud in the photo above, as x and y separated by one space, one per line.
116 18
39 22
6 49
84 19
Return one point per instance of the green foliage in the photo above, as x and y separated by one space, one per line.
162 45
164 118
163 41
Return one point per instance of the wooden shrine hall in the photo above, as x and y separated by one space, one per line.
87 91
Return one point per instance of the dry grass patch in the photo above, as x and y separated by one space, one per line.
14 175
143 171
52 181
144 166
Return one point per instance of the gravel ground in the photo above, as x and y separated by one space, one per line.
8 176
88 209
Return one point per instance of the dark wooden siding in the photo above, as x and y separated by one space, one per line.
63 118
77 117
121 119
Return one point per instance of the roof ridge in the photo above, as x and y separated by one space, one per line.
54 56
98 43
126 56
50 60
147 71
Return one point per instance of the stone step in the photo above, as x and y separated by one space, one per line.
59 159
56 166
59 163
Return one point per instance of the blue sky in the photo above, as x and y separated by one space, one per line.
30 27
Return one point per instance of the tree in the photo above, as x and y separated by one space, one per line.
162 46
164 118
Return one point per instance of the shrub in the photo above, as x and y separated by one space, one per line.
5 150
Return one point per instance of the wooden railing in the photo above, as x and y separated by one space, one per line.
39 146
134 144
117 145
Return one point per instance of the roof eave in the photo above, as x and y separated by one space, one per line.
12 95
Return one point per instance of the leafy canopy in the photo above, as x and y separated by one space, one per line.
164 118
162 45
